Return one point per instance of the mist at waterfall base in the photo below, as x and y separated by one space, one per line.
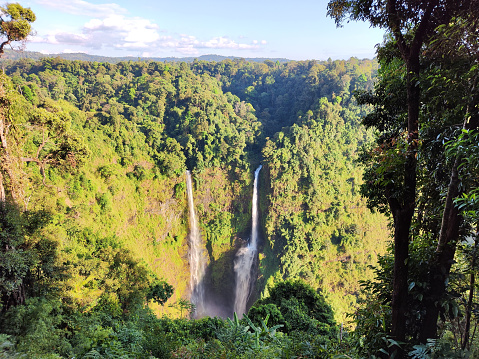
235 294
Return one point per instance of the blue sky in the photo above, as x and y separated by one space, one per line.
293 29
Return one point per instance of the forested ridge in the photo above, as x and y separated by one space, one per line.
16 55
94 216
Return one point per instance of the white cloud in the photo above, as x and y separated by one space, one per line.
72 39
80 7
188 44
122 31
225 43
116 31
140 35
110 28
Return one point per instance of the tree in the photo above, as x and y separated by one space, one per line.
298 307
411 26
58 145
159 292
458 77
43 136
15 23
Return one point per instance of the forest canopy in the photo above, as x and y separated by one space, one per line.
103 155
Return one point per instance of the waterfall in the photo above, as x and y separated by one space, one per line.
196 255
245 257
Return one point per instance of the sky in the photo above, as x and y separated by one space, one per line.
291 29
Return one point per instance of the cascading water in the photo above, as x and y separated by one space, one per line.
196 255
245 257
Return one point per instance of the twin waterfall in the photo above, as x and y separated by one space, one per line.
246 256
196 255
243 264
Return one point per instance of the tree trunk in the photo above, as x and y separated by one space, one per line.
400 275
403 216
443 259
446 246
472 283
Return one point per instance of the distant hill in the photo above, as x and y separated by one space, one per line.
16 55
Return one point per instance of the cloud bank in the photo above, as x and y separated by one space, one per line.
110 27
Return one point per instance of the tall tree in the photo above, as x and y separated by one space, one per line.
455 55
15 24
410 26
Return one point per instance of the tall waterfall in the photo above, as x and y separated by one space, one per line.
196 255
245 257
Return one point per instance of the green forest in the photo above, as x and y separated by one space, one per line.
368 197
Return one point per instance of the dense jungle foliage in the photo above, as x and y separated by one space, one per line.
93 167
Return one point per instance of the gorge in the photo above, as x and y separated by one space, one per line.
123 136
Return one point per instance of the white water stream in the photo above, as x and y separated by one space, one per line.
196 256
246 256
